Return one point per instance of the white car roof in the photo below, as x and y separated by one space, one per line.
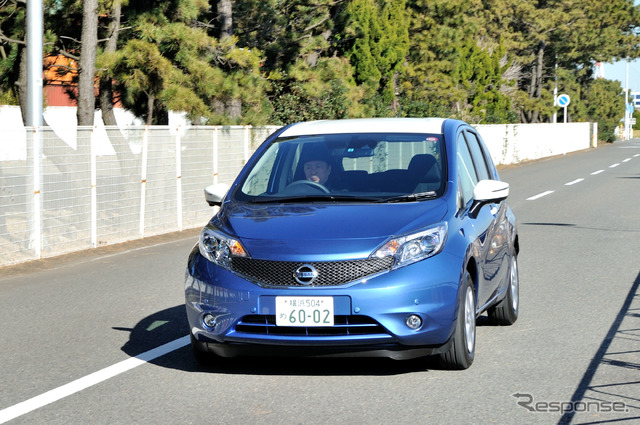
366 125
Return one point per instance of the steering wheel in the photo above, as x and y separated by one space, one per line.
309 183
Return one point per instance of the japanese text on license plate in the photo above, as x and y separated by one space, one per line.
304 311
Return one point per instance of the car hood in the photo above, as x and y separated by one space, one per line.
323 232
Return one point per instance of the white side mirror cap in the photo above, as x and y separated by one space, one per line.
490 191
215 193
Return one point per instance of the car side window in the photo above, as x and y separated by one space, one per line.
466 170
479 159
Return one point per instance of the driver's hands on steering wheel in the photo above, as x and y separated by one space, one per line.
310 184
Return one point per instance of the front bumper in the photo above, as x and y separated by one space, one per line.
370 314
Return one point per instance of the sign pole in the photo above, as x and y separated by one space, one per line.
563 101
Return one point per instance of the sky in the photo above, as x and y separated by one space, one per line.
618 70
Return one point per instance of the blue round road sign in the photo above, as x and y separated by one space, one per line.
563 100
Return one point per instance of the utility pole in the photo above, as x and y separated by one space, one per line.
34 63
555 95
627 120
34 119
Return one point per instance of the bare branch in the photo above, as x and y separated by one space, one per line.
70 38
68 55
10 40
322 21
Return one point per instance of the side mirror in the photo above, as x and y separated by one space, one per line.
488 191
215 193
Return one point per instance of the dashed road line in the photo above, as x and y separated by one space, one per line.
571 183
540 195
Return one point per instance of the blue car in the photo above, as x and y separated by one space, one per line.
364 237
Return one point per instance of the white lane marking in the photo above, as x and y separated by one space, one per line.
573 182
90 380
533 198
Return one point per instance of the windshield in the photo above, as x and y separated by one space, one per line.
356 167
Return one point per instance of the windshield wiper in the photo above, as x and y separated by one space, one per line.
315 198
411 197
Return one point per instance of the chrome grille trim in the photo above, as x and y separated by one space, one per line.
330 273
257 324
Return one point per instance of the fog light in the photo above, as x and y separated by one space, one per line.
209 321
414 321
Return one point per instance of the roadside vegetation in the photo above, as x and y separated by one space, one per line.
280 61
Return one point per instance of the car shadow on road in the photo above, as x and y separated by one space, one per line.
171 324
613 375
575 226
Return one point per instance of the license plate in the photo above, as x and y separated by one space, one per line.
304 311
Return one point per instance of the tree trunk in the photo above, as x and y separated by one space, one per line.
151 100
106 82
535 85
225 16
540 69
87 65
535 115
232 107
395 106
22 84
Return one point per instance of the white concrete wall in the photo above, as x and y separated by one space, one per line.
514 143
63 121
508 143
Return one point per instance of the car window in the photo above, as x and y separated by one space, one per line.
477 155
258 180
466 170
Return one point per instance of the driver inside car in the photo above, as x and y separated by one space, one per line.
317 170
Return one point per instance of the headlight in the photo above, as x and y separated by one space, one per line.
218 248
414 247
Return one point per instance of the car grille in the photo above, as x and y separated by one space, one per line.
343 325
332 273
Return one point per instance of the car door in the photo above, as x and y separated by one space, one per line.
481 229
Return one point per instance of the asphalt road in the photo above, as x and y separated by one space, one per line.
83 336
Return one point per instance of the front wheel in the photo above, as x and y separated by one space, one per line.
506 312
463 344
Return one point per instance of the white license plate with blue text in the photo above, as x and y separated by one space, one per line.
304 311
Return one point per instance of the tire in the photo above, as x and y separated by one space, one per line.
200 353
505 313
463 345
